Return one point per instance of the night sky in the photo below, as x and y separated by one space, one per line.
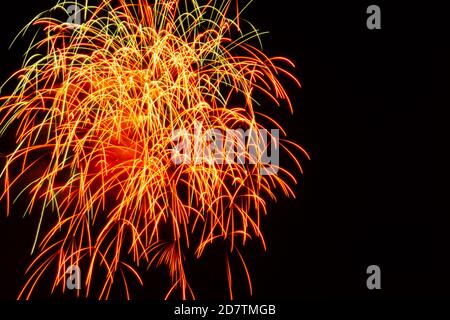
370 114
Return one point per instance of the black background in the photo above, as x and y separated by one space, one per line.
370 114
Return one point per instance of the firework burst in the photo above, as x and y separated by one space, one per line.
95 107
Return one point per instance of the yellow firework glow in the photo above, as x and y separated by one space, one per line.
96 106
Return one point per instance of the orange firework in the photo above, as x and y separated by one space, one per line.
111 109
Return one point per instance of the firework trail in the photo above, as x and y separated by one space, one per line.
95 107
